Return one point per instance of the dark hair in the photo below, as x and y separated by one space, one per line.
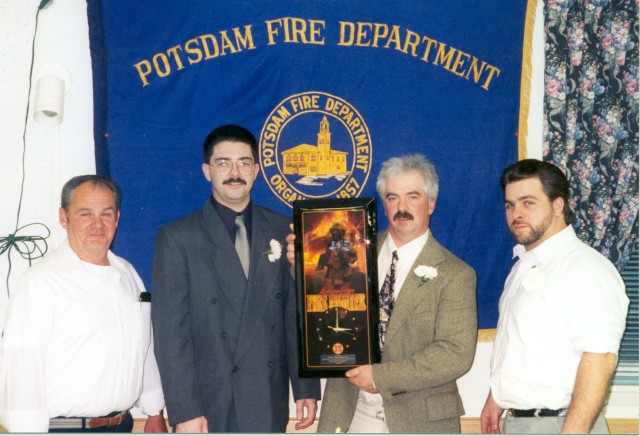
104 182
229 132
554 182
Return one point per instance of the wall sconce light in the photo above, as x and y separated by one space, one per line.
53 83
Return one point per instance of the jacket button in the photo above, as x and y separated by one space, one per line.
270 364
223 335
278 295
236 368
273 329
214 300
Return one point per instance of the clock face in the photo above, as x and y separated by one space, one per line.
338 329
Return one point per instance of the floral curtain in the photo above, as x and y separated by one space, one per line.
591 116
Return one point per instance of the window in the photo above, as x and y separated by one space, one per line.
627 371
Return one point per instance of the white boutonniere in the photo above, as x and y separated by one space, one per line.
275 250
425 273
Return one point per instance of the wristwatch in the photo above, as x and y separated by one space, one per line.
158 413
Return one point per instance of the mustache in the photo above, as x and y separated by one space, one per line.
234 180
402 215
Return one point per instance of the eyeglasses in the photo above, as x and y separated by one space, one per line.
224 166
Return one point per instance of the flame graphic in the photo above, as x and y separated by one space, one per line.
317 235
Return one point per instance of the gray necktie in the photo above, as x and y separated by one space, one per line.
242 244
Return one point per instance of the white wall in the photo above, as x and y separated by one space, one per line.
51 155
55 154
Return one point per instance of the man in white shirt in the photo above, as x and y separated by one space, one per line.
562 315
77 349
429 332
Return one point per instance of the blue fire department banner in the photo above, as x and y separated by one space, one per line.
330 89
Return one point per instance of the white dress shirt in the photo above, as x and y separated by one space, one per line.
407 255
77 342
561 299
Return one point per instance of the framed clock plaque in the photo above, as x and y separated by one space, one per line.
336 282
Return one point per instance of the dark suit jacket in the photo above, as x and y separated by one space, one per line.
430 343
221 355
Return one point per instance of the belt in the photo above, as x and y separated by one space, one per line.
536 413
111 420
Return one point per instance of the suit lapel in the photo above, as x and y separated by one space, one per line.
413 291
262 275
224 261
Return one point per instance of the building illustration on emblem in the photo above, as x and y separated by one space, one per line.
315 160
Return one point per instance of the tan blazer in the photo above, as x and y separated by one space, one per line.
430 343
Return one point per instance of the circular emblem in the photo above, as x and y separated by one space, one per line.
315 145
338 348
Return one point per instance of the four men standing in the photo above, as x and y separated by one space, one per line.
77 347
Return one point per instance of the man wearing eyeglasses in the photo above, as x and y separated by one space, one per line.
224 305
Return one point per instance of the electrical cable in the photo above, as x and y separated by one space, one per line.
29 247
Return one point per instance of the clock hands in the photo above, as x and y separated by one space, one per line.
337 328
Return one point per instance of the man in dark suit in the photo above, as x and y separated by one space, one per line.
430 337
223 311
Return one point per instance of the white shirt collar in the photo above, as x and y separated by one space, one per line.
410 250
549 250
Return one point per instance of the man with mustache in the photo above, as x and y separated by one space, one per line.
562 315
224 305
430 331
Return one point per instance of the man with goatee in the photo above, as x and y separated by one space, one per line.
562 315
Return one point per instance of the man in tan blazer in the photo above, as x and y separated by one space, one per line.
430 337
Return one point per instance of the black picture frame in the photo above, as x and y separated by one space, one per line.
336 285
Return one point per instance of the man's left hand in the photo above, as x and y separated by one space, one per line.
311 406
362 378
155 424
291 251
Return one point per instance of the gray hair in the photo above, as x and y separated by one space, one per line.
399 166
101 181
